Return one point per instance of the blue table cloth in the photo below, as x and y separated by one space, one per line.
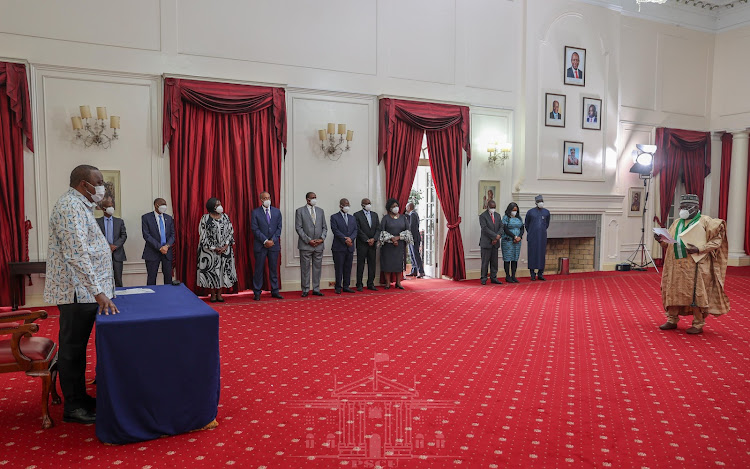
157 368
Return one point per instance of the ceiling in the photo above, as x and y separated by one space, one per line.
708 15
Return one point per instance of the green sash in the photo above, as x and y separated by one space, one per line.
680 251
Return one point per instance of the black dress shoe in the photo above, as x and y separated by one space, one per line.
400 287
509 279
420 276
515 280
304 294
277 295
348 290
484 281
80 415
317 293
337 291
359 288
533 277
256 296
411 274
667 326
541 277
220 300
372 287
496 281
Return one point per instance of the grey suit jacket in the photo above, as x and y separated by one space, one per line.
306 230
490 230
119 234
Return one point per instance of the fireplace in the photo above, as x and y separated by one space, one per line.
575 237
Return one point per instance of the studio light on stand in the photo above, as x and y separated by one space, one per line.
643 165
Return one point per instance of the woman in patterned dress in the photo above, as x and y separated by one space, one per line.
215 251
511 241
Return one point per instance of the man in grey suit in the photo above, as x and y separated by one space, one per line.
114 230
310 223
489 241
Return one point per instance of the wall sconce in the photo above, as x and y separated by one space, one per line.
498 153
333 149
95 135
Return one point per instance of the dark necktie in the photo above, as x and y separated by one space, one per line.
268 216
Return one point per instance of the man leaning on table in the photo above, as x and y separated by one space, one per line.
79 281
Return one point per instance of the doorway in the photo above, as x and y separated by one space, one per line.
424 197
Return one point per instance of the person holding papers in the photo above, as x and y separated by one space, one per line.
695 267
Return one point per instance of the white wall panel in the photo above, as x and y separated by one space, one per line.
132 24
492 51
420 39
638 67
732 69
685 68
331 34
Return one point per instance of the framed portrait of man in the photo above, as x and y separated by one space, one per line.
573 157
591 114
111 189
575 66
554 110
636 200
488 190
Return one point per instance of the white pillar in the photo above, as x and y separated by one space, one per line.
737 196
711 190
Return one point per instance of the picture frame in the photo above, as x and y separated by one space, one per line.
488 190
591 114
636 199
573 157
571 69
111 189
552 118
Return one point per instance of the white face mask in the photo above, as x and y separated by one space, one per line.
162 209
345 209
394 209
219 209
313 202
540 204
98 194
110 211
684 214
367 207
267 203
513 214
492 211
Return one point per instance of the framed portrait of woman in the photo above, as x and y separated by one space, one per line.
591 114
635 201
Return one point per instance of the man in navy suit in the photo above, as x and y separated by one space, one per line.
158 232
114 230
266 226
344 229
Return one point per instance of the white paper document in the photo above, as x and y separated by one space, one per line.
133 291
664 232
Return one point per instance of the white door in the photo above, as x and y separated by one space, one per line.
430 252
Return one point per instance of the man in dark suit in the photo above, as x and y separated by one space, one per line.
266 226
114 230
158 232
491 226
344 229
417 269
574 72
310 225
368 233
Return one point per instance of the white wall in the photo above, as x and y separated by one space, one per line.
336 58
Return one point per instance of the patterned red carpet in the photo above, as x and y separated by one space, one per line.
567 373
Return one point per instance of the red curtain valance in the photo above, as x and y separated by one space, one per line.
688 140
13 76
424 116
227 98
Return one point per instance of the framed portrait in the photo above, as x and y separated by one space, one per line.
636 196
573 157
488 190
111 189
575 66
591 115
554 110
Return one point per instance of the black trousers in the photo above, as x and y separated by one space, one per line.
367 254
117 266
260 266
76 322
342 266
152 269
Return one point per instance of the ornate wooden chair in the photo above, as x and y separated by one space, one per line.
35 356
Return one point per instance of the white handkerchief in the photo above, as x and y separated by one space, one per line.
133 291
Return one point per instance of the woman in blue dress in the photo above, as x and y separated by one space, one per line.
511 241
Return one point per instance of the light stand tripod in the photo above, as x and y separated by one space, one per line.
645 255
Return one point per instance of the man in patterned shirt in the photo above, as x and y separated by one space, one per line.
79 281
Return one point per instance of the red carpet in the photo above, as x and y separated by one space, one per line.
567 373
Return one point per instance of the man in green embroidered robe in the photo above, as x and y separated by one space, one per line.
690 287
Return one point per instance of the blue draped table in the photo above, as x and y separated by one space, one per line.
157 366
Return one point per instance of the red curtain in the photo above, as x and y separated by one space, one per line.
225 141
15 122
445 162
681 149
400 134
726 163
